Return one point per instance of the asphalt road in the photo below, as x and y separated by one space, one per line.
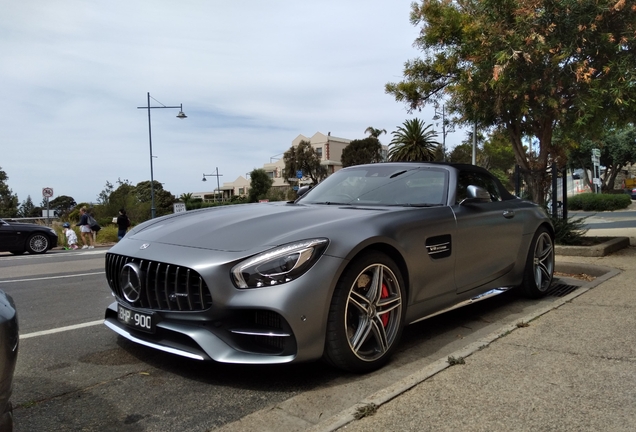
605 220
75 374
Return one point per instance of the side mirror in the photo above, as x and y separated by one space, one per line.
476 194
302 190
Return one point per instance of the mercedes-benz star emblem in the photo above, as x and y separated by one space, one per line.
131 281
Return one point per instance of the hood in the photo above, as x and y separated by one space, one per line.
25 225
238 228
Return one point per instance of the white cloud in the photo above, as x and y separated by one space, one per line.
251 76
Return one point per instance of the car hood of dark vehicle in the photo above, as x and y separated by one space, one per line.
30 226
238 228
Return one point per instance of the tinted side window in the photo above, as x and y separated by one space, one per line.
467 178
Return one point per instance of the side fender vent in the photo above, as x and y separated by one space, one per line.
439 246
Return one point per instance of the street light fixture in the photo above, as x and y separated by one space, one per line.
181 115
217 175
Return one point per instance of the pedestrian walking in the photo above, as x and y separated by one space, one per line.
123 223
85 230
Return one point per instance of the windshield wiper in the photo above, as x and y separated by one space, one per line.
399 173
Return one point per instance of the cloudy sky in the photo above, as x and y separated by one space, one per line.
251 74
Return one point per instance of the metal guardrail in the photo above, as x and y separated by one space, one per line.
47 220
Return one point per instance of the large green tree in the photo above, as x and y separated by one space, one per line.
304 158
28 209
463 153
498 153
260 183
103 196
413 142
364 151
163 199
8 200
62 205
527 66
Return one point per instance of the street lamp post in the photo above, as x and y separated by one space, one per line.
181 115
217 175
444 131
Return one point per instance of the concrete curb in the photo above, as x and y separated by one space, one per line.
368 405
610 245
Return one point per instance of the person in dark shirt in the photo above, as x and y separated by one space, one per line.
122 224
85 230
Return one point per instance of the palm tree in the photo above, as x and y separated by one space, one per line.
373 132
186 198
413 142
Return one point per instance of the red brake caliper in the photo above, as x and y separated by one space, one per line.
385 294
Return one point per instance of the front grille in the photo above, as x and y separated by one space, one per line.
165 287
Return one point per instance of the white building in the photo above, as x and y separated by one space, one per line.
327 147
238 187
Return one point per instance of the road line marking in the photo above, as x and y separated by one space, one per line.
51 277
61 329
56 254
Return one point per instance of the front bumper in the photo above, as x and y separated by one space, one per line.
227 340
270 325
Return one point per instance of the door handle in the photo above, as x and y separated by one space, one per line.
508 214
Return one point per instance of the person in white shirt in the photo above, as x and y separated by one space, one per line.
71 237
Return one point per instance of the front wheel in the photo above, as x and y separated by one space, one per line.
539 270
366 314
37 243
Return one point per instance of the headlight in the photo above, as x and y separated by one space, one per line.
279 265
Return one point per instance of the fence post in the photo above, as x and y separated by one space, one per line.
555 175
564 175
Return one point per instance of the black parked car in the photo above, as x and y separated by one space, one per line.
8 357
18 238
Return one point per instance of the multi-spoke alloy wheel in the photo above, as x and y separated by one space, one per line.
37 244
366 315
540 265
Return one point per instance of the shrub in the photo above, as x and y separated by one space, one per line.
568 231
599 202
108 234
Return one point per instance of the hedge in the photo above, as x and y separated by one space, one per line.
599 202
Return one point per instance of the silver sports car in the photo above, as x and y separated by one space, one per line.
336 274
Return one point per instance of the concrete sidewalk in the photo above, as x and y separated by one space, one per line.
572 368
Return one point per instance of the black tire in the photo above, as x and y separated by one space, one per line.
38 243
539 270
366 315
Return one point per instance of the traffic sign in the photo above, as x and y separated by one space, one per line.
47 192
299 174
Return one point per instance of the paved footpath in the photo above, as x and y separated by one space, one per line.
571 369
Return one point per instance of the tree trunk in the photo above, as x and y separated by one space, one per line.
533 170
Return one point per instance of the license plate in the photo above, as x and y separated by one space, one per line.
136 320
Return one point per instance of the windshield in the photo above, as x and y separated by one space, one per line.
378 184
